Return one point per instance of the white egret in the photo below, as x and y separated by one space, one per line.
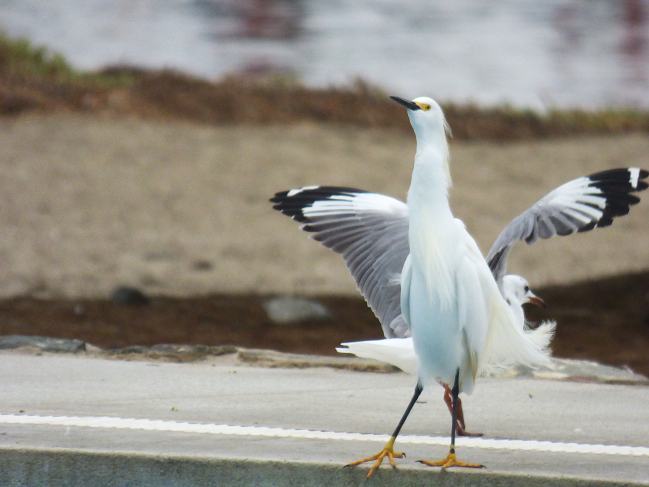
460 324
371 231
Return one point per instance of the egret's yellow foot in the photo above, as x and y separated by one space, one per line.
451 461
387 451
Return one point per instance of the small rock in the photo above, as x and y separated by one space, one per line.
131 349
287 310
43 343
202 265
129 296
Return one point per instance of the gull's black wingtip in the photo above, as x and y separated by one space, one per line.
642 185
279 197
617 187
628 179
293 202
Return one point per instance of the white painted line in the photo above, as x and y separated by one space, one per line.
224 429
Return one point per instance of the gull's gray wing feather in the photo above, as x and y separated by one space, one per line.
577 206
369 230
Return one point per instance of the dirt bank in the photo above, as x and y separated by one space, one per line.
606 320
180 209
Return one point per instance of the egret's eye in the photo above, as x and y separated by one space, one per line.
527 289
424 106
509 302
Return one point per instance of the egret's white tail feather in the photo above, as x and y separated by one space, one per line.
401 353
509 344
542 335
394 351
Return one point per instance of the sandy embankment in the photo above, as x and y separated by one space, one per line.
180 209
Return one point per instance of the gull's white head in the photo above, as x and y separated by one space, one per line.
516 291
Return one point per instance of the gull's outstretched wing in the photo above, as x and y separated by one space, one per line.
577 206
369 230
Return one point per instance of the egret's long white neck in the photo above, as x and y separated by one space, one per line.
429 209
430 182
431 179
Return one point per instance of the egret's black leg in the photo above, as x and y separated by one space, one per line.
415 396
388 449
455 392
450 460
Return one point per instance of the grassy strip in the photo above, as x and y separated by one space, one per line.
34 80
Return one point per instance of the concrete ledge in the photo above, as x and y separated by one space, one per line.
79 468
71 419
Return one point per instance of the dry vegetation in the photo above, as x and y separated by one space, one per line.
33 80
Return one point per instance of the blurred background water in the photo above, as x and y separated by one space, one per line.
529 53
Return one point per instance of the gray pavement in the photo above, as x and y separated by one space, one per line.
75 419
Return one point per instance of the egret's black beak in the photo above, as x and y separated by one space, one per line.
410 105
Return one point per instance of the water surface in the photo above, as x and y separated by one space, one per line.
528 53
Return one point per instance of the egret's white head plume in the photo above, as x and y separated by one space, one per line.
426 116
430 126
